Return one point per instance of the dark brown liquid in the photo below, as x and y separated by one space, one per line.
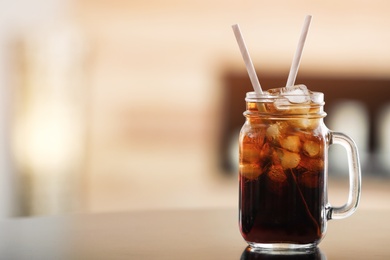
282 184
284 213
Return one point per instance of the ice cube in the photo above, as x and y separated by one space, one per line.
278 180
276 174
312 164
317 97
265 151
289 159
296 94
250 170
282 104
305 123
311 148
273 132
249 153
291 143
293 100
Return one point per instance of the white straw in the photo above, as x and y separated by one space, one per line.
248 62
298 54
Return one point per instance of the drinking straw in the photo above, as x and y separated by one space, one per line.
298 53
247 59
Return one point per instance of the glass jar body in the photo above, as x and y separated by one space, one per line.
283 177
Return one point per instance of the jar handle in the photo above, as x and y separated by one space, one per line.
354 176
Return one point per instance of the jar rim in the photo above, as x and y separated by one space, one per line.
299 104
314 96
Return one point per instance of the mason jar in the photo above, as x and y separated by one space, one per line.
283 162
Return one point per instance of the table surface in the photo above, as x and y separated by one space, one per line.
175 234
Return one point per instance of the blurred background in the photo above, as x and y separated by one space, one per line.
133 105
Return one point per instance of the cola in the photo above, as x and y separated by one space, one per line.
282 172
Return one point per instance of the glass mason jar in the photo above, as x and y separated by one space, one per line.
283 165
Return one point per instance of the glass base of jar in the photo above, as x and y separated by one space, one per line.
283 247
